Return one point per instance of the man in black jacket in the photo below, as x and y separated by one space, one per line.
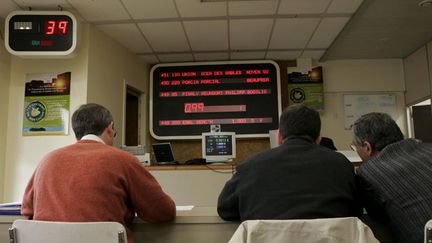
297 180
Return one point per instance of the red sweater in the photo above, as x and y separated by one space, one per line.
91 181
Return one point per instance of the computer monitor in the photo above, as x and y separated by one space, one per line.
218 146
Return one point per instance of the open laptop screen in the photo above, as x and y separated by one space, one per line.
163 153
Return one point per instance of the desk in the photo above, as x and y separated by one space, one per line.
201 224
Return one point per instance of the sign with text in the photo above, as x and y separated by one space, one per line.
46 104
306 88
186 99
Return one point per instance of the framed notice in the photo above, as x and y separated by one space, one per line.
358 105
306 88
187 99
46 104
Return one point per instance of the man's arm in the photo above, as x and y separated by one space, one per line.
228 201
27 203
369 198
151 203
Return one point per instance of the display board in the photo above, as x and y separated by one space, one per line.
358 105
40 33
187 98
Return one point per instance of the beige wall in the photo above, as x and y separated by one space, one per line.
111 67
4 97
429 51
358 77
417 77
102 68
100 71
24 153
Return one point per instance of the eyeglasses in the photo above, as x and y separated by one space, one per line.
353 147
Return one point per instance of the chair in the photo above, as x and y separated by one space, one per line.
428 232
328 230
33 231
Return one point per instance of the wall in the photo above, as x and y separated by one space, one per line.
429 52
111 68
417 77
359 77
5 60
24 153
100 71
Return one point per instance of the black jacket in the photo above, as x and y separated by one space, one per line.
297 180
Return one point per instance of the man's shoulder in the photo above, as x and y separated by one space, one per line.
257 159
118 153
103 150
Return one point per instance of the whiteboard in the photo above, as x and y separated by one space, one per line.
358 105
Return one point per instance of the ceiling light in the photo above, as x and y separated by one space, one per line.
425 3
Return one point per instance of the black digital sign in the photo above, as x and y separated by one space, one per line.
187 98
32 33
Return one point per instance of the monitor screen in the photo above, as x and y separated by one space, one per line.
218 146
163 152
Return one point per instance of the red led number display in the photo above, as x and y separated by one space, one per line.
56 27
193 107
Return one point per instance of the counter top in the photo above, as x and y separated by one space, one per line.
191 167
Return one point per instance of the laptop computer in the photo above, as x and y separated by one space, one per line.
163 154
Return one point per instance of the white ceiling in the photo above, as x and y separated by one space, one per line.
195 30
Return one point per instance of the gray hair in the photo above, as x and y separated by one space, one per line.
90 119
379 129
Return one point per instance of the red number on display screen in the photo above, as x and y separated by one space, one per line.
53 27
50 27
193 107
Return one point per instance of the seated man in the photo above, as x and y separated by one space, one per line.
93 181
395 179
297 180
328 143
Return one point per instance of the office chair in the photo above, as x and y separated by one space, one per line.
33 231
428 232
326 230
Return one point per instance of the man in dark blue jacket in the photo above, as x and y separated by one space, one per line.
297 180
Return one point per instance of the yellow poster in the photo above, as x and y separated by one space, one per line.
46 104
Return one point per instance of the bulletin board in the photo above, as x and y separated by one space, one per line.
356 105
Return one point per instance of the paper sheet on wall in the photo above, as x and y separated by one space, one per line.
358 105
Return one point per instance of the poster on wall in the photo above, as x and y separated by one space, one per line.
46 104
356 105
306 88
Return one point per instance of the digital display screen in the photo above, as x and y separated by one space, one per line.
218 145
186 99
56 27
41 32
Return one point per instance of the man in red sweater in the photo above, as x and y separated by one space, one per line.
93 181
